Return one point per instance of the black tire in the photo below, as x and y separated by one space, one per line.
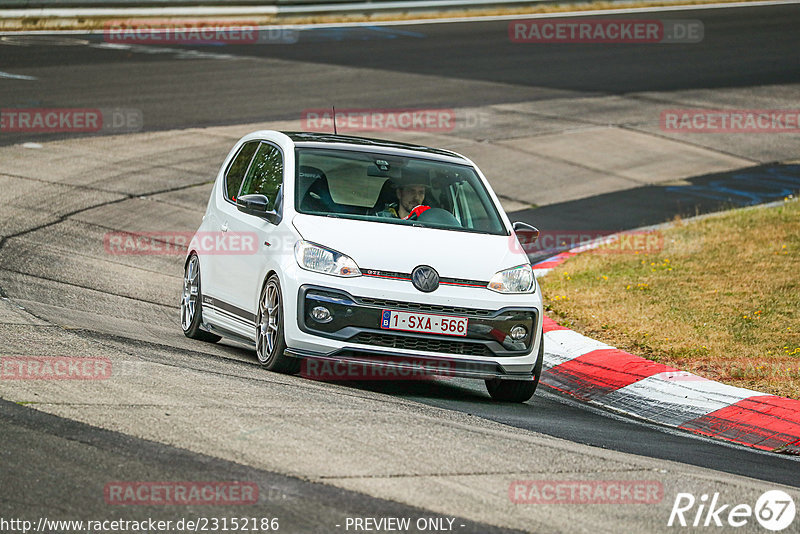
192 303
270 341
517 390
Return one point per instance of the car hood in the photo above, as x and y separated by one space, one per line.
400 248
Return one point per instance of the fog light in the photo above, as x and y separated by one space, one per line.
321 314
518 332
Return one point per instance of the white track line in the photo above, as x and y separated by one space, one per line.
10 76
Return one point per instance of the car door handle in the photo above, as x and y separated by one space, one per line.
224 227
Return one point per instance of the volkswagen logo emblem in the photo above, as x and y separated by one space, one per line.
425 278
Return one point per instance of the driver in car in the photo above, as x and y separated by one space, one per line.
410 191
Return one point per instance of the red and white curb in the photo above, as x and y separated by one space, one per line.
604 376
545 266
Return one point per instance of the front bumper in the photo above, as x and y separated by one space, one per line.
361 364
487 351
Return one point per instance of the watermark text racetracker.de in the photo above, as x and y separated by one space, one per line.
731 120
180 493
390 368
74 120
599 241
195 32
178 243
605 31
586 492
432 120
54 368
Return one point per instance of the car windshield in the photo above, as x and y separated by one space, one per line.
387 187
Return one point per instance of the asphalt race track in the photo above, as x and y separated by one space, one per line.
178 409
448 65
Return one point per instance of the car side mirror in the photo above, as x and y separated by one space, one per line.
526 233
257 205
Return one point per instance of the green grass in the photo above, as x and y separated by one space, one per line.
719 299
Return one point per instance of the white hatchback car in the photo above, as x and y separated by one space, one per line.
368 254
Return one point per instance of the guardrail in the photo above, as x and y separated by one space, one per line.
282 7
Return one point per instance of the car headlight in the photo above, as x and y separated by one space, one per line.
324 260
518 279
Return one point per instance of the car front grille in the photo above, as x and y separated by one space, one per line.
427 308
422 344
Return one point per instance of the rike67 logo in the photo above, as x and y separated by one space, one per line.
774 510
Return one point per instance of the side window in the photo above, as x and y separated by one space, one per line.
469 209
237 168
476 209
265 176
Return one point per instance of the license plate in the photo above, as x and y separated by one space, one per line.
424 322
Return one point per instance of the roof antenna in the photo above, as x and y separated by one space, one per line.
334 120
